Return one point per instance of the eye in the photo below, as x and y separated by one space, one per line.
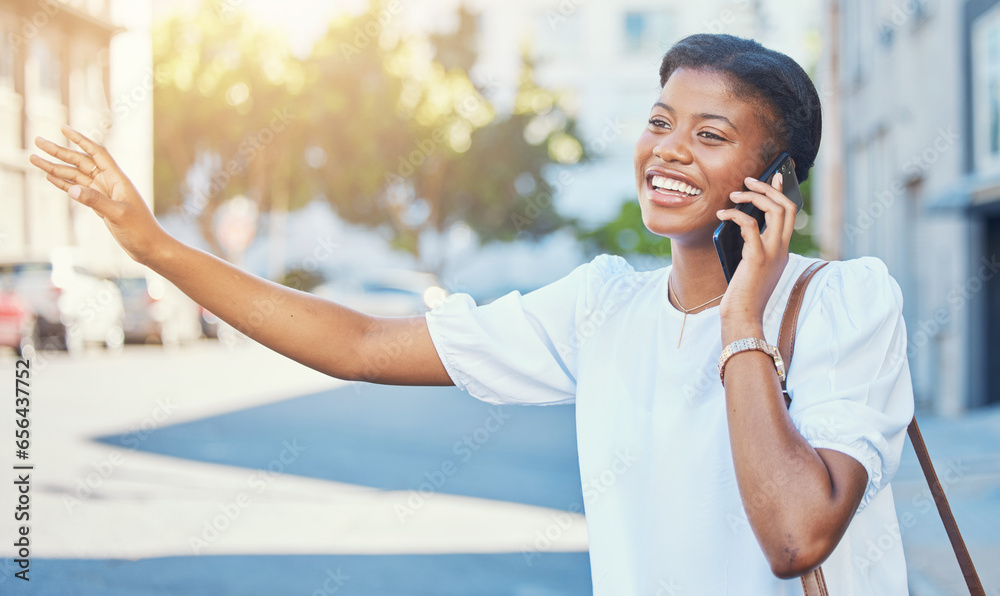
710 136
658 122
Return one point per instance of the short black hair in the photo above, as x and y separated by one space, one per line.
759 74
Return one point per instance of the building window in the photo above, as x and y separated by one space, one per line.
647 31
49 69
7 52
923 10
557 35
986 90
12 207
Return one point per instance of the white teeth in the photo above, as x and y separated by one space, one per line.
676 185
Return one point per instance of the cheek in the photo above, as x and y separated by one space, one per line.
750 164
727 175
724 176
643 150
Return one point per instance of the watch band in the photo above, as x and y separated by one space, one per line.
745 345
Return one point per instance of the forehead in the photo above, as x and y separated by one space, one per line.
693 91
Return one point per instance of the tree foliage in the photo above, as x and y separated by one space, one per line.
389 128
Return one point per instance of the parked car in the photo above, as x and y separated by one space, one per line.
74 307
209 323
156 311
384 292
17 322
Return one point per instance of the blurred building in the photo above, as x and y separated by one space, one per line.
910 173
76 62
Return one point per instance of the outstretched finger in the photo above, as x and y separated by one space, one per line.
61 171
59 182
81 160
99 154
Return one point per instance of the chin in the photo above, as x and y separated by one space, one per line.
659 227
683 224
690 234
663 223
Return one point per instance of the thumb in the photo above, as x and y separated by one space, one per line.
97 201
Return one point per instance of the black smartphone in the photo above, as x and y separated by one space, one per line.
728 240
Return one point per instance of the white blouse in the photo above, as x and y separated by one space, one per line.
664 514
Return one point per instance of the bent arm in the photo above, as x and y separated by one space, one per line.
798 500
328 337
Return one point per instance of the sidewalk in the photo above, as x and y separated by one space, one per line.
966 456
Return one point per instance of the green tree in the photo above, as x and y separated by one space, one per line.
388 135
226 99
420 146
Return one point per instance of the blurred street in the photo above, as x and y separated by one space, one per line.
234 470
966 455
214 469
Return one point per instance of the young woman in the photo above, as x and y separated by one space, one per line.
693 486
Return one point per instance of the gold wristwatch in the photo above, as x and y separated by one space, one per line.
745 345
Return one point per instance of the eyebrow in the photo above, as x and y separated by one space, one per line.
702 116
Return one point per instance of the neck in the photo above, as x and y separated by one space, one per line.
696 276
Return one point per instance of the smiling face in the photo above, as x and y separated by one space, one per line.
699 145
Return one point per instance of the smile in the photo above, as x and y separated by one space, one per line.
662 183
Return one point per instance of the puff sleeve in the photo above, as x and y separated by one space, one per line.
520 349
850 380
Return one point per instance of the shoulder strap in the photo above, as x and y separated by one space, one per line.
944 509
813 582
790 320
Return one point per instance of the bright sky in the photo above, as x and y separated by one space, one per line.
304 21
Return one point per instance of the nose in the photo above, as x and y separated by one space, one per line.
673 148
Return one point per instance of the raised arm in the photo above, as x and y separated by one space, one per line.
320 334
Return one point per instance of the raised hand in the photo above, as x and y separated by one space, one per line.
92 178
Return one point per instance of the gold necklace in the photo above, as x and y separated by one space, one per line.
687 311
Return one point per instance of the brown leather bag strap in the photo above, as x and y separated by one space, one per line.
944 509
813 583
790 320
